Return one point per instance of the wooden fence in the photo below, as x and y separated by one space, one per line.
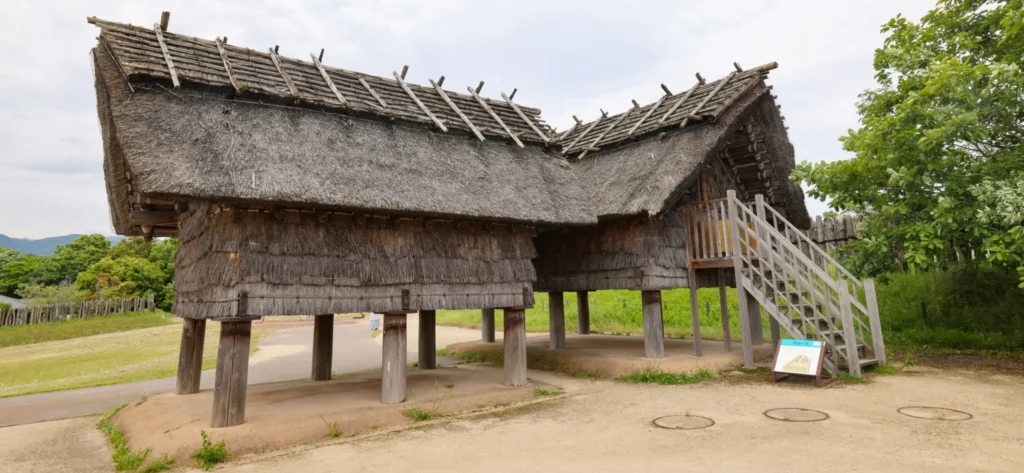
832 232
69 311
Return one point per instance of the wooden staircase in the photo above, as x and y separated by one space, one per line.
802 288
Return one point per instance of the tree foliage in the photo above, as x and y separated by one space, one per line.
939 156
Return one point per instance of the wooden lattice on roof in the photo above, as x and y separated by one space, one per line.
155 53
704 101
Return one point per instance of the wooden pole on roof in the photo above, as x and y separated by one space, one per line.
284 75
373 93
593 144
525 118
416 99
495 116
327 78
585 132
227 67
646 116
165 19
679 102
167 54
707 99
458 112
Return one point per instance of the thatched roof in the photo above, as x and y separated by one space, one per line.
648 176
192 120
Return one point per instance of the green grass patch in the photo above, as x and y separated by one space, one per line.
847 378
210 454
652 375
333 431
542 392
886 369
100 360
69 329
123 457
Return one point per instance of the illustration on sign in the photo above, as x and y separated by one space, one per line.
798 357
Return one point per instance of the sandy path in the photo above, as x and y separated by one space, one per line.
609 429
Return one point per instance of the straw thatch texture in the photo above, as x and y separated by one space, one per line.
291 262
645 253
198 63
196 146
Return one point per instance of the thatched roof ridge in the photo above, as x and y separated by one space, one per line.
705 101
195 146
198 62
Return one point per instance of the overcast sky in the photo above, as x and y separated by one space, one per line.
564 57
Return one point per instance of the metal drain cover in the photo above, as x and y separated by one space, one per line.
795 414
934 413
684 422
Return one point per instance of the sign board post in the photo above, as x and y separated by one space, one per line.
800 358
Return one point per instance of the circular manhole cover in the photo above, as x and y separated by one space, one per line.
795 414
684 422
934 413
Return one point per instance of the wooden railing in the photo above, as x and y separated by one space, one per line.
72 310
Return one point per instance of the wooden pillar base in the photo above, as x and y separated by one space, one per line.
515 347
232 374
754 312
654 331
583 313
428 340
393 365
487 325
190 355
698 350
323 347
556 320
723 301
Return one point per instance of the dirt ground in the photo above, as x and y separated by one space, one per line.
608 427
62 445
616 355
286 414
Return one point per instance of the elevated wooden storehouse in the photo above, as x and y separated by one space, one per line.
296 188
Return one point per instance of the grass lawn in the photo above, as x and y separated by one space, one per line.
110 358
620 312
65 330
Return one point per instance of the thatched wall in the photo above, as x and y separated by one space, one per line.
646 253
195 145
315 263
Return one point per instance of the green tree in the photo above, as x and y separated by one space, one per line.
940 150
28 269
146 277
78 255
131 246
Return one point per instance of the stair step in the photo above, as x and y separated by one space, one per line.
868 362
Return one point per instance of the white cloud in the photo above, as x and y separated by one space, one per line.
565 57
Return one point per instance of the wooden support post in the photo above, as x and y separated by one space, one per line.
515 347
582 313
877 344
428 340
773 326
741 291
849 330
487 325
190 355
556 320
323 346
654 331
394 360
723 301
698 350
754 313
232 374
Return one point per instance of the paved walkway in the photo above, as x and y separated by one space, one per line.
285 355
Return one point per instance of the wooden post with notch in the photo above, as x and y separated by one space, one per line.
428 340
323 346
487 325
232 373
515 347
393 363
698 350
190 355
877 343
654 331
741 278
582 313
556 320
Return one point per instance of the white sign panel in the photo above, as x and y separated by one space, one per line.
799 357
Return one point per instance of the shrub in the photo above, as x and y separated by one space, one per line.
210 454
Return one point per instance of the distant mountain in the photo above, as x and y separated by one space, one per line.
42 246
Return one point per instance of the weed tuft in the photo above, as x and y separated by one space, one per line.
652 375
449 386
155 466
539 391
210 454
418 415
124 459
886 369
848 378
333 431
